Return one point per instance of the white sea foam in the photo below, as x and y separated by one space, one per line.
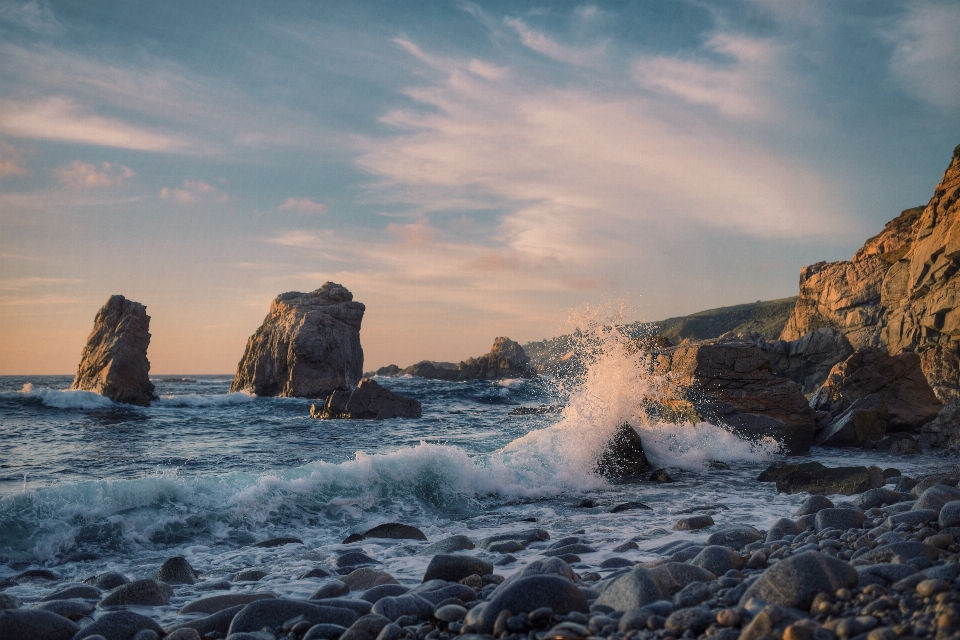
198 400
63 398
511 383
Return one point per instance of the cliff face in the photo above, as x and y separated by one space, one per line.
114 361
899 291
506 359
307 347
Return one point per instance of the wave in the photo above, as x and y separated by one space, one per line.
60 398
200 400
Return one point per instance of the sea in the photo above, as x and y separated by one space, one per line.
88 486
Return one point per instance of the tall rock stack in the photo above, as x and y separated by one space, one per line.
307 347
900 291
114 361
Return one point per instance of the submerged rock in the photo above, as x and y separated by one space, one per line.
307 347
368 401
114 361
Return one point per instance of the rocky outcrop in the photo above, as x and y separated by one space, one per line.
864 421
505 360
899 291
369 401
623 456
808 359
897 380
114 361
307 347
432 370
732 384
943 432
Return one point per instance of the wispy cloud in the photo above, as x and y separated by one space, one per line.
302 205
545 45
192 191
83 175
33 15
926 55
11 161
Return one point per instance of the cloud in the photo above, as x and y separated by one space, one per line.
926 55
302 205
11 161
61 119
32 15
545 45
82 175
192 191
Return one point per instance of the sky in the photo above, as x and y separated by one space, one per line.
467 170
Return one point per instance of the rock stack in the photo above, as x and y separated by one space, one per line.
114 361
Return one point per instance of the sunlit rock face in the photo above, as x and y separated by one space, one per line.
307 347
114 361
900 292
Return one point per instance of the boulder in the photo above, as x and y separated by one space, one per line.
623 456
432 370
631 590
943 432
865 419
307 347
454 568
395 531
529 593
735 536
177 570
369 401
149 593
838 518
114 361
936 497
28 624
506 359
795 581
813 504
897 380
213 604
70 609
813 477
120 625
447 545
274 612
731 384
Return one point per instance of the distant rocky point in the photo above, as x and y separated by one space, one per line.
307 347
368 401
506 359
114 361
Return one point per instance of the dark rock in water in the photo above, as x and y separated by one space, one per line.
150 593
367 627
630 506
36 575
213 604
447 545
775 470
383 591
27 624
9 601
214 625
366 577
278 542
80 556
813 504
735 537
531 411
631 590
629 545
432 370
623 456
813 477
506 359
529 593
795 581
325 632
332 589
273 613
780 528
84 592
395 531
120 625
506 546
454 568
387 371
316 572
526 537
674 576
307 347
950 514
355 559
369 401
249 575
936 497
901 445
114 361
943 432
717 559
693 523
177 570
616 563
69 609
392 607
574 549
841 519
865 419
108 580
586 504
877 498
660 475
353 537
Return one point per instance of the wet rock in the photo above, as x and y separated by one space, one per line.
383 591
623 456
771 622
912 518
120 625
274 612
630 506
453 568
949 479
841 519
898 550
217 624
694 619
36 575
450 613
114 361
213 604
525 537
505 546
9 601
875 498
883 573
529 593
691 595
367 627
365 578
69 609
435 594
177 571
353 537
616 563
813 477
864 420
316 572
249 575
395 531
567 549
368 401
354 559
109 580
325 632
359 607
632 590
149 593
307 347
83 592
735 537
780 528
660 475
27 624
674 576
813 504
629 545
717 559
332 589
392 607
794 581
950 514
447 545
278 542
80 556
936 497
693 523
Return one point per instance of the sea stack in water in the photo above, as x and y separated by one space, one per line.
307 347
506 359
114 361
368 401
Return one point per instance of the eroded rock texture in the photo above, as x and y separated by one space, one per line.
506 359
307 347
114 361
368 401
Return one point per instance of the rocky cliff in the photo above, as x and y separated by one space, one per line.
899 291
307 347
506 359
114 361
